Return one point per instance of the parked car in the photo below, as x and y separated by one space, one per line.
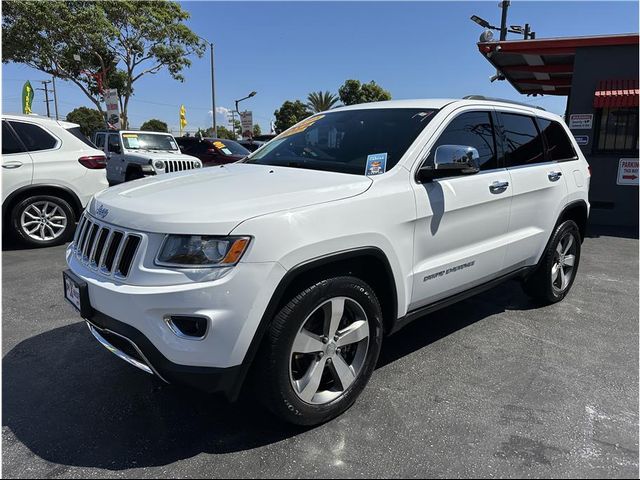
290 267
213 151
251 145
50 170
135 154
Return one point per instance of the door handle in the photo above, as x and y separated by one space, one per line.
498 187
12 165
554 176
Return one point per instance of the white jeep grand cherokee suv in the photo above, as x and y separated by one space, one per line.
290 267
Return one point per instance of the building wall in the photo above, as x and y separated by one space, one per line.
612 204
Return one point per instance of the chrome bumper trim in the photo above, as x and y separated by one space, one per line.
145 367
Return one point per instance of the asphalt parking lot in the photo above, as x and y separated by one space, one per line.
491 387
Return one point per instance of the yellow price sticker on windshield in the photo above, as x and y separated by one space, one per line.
129 135
300 127
219 145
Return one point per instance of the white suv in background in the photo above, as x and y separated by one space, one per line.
50 170
290 267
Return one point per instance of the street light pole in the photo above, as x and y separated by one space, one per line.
213 95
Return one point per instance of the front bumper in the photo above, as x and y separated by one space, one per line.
130 345
233 306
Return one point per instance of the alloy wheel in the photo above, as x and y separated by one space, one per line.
43 221
563 263
329 351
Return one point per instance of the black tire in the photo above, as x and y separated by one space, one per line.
540 284
272 381
133 174
23 236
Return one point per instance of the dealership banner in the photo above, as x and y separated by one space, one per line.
27 97
113 108
246 120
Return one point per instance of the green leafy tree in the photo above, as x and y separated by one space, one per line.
224 132
154 125
257 130
125 40
321 101
289 114
89 119
353 92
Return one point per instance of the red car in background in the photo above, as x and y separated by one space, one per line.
212 151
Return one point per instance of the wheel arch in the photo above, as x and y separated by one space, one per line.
368 263
43 189
579 213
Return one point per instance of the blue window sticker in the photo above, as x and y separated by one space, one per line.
376 164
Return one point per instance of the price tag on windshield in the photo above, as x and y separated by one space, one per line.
376 164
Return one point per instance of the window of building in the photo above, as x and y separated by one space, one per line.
522 140
471 129
34 137
617 130
559 146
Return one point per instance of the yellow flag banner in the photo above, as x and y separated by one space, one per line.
183 117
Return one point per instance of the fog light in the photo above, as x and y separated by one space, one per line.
188 327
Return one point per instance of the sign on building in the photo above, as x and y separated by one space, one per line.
582 139
246 120
113 108
580 121
628 171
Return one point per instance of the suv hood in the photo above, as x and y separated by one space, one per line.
215 200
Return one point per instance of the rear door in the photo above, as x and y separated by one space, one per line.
50 161
539 187
17 166
462 221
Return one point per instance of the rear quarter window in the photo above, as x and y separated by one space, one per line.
76 132
559 145
34 137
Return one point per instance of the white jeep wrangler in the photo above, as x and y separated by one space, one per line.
291 267
137 154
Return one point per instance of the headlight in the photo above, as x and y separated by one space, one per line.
158 164
199 251
198 165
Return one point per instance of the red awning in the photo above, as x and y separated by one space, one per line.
617 93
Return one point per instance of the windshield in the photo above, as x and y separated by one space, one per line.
229 147
361 142
149 141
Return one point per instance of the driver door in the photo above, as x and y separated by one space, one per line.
462 221
115 159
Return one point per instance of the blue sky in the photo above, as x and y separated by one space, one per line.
286 50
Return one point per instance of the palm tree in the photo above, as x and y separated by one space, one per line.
321 101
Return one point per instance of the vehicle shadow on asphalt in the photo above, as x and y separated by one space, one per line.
71 403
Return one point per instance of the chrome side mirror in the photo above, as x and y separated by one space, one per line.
451 160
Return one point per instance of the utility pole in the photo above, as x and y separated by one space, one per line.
55 96
46 91
213 95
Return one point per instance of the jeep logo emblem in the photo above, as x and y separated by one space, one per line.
102 212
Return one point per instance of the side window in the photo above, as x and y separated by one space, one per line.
558 144
522 141
34 137
100 140
114 143
473 129
10 143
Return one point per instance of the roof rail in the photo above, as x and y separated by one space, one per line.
502 100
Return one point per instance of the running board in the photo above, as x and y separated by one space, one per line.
445 302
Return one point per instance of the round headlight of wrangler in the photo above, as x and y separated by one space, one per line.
158 164
198 165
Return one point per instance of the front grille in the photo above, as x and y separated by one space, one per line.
179 165
101 247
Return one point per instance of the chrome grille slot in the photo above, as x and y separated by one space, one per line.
91 235
104 248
